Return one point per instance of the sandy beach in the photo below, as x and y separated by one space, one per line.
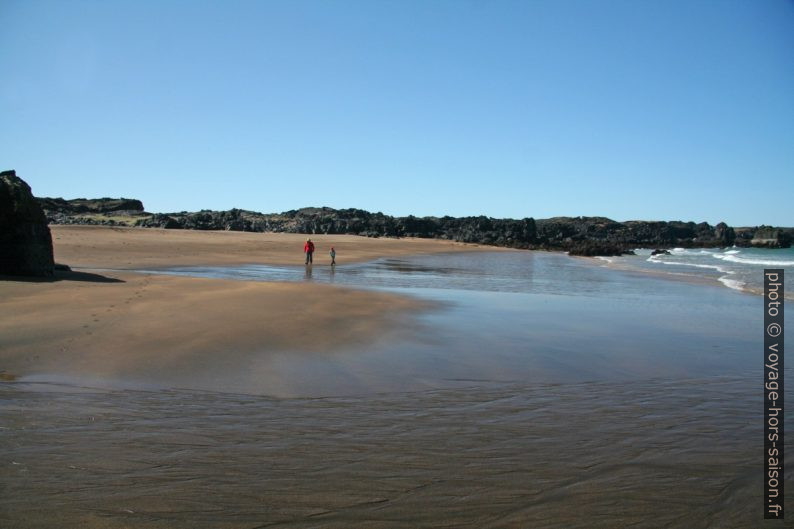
485 389
137 248
605 351
102 320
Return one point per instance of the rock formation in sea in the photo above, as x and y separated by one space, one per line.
25 240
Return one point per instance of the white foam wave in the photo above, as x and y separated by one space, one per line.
607 259
730 252
712 267
685 251
744 260
732 283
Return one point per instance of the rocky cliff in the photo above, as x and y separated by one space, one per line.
25 241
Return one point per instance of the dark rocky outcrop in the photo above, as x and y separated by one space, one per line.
578 235
596 248
158 220
725 234
79 206
764 237
25 240
101 211
568 232
484 230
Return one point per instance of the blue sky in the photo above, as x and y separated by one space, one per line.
657 110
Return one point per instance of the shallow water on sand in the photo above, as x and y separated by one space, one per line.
513 317
542 392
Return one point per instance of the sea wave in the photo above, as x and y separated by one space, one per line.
743 260
656 259
732 283
735 268
725 279
685 251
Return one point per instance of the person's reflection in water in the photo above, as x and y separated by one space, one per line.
333 271
308 275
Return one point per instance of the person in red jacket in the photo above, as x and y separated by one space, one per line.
308 249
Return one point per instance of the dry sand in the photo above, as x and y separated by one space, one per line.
102 321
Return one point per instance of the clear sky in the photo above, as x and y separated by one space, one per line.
657 110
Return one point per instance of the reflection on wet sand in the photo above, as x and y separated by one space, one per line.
508 317
646 454
536 391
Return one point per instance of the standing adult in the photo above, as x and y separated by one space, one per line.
308 249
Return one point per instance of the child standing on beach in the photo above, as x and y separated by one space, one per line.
308 249
333 256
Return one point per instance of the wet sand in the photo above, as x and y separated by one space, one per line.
101 321
680 454
176 331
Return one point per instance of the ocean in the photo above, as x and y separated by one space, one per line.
736 268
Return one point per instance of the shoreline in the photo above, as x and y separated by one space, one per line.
660 274
135 248
111 322
107 318
680 277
